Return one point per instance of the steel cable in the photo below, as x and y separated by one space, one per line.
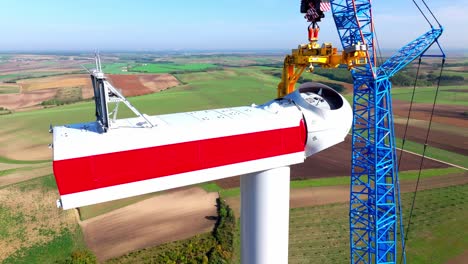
422 13
422 159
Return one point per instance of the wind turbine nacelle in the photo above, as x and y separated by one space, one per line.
132 158
327 114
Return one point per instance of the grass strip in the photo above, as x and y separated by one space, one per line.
342 180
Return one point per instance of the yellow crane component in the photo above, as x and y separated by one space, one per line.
307 55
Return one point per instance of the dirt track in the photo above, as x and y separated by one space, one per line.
169 217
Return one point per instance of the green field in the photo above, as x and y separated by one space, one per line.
230 60
434 127
433 152
56 250
438 232
448 95
116 68
9 89
10 161
10 76
10 171
28 75
32 224
149 255
112 68
456 73
320 234
335 181
170 67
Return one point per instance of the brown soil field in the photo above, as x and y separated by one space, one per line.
20 144
23 149
57 82
445 114
458 90
40 64
129 84
168 217
25 100
439 139
461 259
336 161
140 84
36 90
348 87
313 196
458 68
159 82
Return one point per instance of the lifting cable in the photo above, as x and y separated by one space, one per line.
409 112
378 60
424 15
423 155
432 14
402 233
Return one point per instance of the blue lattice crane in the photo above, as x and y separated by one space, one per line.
375 197
374 190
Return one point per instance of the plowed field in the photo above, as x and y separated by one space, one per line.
140 84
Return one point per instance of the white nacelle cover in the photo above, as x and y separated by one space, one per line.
327 114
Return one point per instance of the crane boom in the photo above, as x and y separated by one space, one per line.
409 53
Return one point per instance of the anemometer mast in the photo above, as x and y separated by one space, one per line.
104 95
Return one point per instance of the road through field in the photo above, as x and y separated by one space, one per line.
432 159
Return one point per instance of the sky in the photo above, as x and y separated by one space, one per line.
145 25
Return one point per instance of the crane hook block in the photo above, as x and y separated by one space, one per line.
313 32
